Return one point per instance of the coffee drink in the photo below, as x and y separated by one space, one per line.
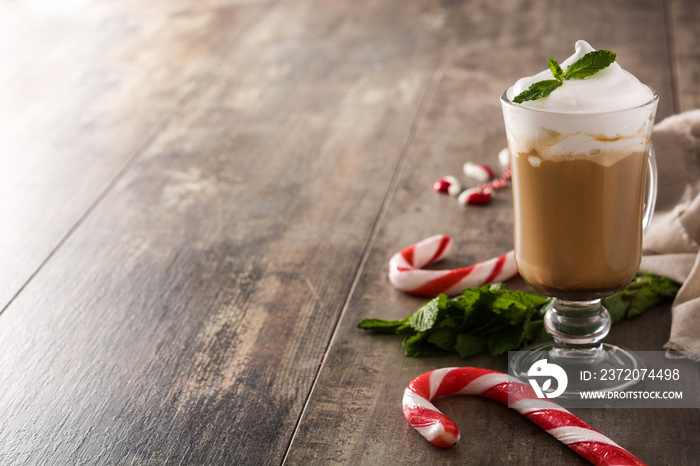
578 223
584 187
579 159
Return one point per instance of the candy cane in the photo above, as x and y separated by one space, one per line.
555 420
405 271
478 171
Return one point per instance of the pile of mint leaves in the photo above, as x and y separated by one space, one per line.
494 319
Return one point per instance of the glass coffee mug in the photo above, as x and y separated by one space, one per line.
580 208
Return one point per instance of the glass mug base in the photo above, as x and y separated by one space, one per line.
592 369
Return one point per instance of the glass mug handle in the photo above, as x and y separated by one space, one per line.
652 183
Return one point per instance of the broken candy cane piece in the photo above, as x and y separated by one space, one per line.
506 174
439 430
406 273
449 185
498 183
476 196
478 171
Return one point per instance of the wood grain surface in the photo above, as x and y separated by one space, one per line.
84 89
199 201
357 397
185 319
684 17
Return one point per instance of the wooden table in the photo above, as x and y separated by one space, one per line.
200 199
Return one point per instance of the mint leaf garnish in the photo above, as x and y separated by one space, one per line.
589 64
586 66
538 90
556 69
491 318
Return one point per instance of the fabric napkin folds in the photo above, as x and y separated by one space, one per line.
672 242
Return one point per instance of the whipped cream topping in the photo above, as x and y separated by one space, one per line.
609 89
602 118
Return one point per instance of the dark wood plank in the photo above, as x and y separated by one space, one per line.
184 321
354 415
684 17
83 89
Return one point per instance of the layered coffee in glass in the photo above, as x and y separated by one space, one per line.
583 189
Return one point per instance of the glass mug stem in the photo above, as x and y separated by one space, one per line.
577 325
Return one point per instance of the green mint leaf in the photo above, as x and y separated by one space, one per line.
516 307
381 326
425 317
468 345
472 298
617 307
533 332
643 293
449 322
413 339
537 90
642 300
480 319
662 286
556 70
507 340
444 338
589 64
405 327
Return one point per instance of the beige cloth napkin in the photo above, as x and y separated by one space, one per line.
672 242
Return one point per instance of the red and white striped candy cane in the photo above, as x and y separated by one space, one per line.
555 420
406 273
